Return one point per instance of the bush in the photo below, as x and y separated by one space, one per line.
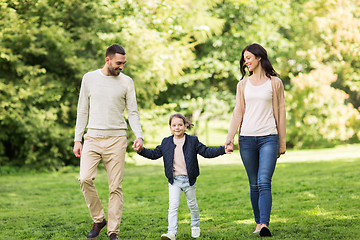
317 114
41 62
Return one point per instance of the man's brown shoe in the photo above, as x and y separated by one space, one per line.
97 227
113 236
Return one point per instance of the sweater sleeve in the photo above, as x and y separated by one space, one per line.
282 115
82 111
132 110
208 152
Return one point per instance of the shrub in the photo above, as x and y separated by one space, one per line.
317 114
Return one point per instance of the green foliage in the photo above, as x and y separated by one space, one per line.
159 37
207 89
299 37
183 56
327 33
317 113
43 51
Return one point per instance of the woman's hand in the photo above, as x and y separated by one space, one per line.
282 151
229 146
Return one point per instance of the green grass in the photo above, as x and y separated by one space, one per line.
311 200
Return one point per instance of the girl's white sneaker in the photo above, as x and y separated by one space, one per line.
195 232
168 236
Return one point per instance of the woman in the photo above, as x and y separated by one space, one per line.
260 114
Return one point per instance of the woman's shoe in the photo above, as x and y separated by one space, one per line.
257 229
265 232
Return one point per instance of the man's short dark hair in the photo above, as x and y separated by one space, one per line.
115 48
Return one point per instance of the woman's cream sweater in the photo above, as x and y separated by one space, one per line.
278 103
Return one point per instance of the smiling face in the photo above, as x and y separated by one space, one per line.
177 127
251 61
115 64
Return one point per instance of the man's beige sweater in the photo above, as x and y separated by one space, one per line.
102 103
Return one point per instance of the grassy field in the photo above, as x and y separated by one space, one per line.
311 200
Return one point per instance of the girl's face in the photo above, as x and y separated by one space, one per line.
177 127
251 61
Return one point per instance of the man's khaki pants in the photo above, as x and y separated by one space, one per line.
112 151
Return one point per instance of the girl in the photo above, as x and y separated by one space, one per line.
260 114
179 153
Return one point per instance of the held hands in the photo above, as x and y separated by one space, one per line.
227 151
229 146
138 145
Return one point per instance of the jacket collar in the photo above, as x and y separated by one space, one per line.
186 137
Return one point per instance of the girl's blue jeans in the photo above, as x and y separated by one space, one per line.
181 184
259 155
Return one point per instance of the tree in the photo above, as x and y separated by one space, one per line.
318 115
328 33
159 37
44 47
183 56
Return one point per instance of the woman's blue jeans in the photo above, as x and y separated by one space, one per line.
259 155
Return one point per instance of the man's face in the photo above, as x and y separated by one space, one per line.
116 64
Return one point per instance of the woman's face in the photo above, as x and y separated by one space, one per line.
251 61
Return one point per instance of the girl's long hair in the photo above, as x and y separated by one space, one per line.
258 51
188 124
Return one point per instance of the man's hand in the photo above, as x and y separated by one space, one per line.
138 144
77 149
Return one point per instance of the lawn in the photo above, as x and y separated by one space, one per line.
311 200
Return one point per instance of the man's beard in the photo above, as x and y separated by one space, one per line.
112 71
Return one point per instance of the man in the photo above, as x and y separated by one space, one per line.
104 95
